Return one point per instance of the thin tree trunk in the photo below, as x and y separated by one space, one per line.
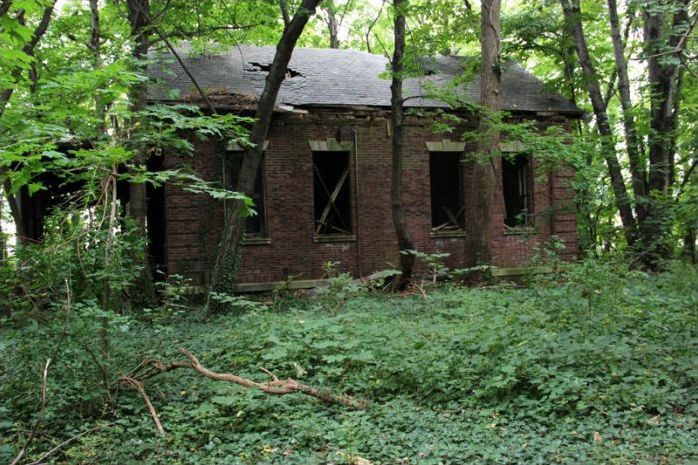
632 144
478 216
689 243
95 48
3 239
573 19
332 23
225 269
283 5
397 116
5 96
138 11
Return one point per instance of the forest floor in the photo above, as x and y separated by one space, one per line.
598 365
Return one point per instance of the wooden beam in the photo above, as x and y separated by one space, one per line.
333 197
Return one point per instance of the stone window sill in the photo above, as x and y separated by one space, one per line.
333 238
520 231
457 233
259 240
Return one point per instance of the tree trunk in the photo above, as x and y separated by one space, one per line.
397 117
95 46
689 243
332 23
478 216
138 12
5 96
138 15
3 239
224 272
631 140
573 20
663 70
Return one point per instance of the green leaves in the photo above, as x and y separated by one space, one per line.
494 376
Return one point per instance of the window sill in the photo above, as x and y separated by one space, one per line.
520 231
333 238
256 241
457 233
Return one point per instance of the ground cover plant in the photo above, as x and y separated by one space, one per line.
594 365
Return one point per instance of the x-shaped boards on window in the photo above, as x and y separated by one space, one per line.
332 198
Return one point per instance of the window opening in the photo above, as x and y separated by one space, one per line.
446 179
518 199
332 193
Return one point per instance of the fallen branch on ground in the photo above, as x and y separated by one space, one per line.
276 386
138 386
151 367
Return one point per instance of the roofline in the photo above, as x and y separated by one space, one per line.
574 114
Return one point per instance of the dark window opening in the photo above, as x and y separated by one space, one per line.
446 178
155 218
255 225
517 186
332 193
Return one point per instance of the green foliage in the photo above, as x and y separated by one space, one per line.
341 288
77 251
235 303
598 368
434 263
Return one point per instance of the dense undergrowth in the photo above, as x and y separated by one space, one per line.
596 365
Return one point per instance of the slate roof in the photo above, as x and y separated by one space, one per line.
327 77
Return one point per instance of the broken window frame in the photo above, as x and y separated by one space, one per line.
235 157
455 221
341 187
524 218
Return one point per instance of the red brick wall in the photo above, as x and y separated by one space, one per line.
195 221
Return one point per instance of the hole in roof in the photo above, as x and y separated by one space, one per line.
258 67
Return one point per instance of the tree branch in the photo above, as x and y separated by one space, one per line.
275 386
138 386
284 12
179 60
39 417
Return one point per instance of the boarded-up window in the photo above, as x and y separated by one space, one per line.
332 193
446 179
255 225
517 182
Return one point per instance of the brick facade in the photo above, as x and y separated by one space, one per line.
193 222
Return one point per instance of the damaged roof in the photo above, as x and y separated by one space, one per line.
331 77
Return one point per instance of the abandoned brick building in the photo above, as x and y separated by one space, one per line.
323 192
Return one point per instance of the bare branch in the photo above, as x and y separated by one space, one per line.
371 26
179 60
275 386
40 416
138 386
41 459
199 32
